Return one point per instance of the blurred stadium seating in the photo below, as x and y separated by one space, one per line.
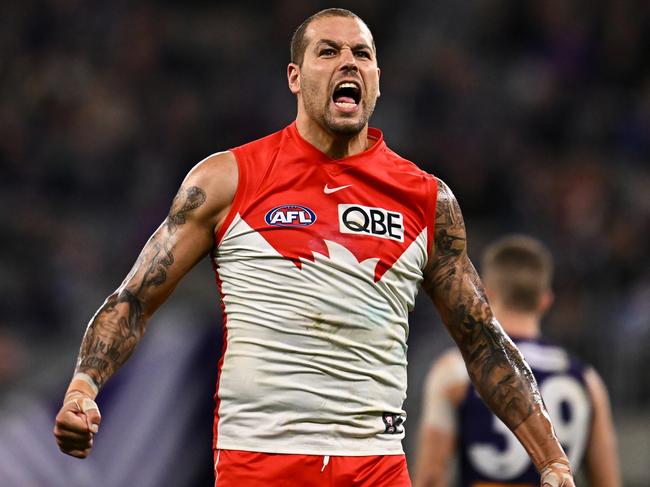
537 114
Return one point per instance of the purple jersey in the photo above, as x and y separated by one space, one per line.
490 453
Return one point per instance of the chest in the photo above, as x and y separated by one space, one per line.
370 209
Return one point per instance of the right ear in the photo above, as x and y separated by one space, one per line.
545 301
293 77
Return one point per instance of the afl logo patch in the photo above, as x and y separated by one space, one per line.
290 216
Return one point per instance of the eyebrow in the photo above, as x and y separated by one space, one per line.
337 45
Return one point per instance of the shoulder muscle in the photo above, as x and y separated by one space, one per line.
213 181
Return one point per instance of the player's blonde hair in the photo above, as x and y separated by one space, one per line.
520 269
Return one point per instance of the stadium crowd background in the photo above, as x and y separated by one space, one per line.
537 114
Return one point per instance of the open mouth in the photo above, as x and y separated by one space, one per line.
347 95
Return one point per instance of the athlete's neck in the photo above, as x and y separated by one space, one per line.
334 146
518 323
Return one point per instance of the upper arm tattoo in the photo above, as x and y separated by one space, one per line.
496 367
118 325
183 205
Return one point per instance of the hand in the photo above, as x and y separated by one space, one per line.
76 424
557 474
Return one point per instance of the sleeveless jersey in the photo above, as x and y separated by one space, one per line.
318 264
491 455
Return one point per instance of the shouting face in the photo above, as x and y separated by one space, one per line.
337 83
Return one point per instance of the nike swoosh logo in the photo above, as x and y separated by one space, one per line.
328 190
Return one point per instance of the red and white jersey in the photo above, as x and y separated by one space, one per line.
319 262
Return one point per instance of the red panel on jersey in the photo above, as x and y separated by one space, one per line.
374 203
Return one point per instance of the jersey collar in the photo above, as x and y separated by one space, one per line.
373 134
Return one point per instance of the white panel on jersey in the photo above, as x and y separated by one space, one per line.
315 355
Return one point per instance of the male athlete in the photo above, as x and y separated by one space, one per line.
517 272
320 236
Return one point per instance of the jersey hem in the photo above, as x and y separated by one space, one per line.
308 450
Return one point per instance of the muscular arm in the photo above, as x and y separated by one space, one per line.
495 366
434 457
185 236
120 322
445 388
602 456
497 369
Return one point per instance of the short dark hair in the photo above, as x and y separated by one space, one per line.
299 41
520 268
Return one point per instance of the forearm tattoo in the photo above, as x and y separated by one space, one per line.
501 376
118 325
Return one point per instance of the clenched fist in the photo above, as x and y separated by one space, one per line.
76 424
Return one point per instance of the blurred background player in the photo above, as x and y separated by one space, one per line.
517 272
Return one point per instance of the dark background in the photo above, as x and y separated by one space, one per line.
536 113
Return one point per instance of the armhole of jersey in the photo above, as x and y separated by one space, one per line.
431 213
242 175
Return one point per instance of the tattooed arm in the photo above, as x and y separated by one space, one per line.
184 237
497 369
